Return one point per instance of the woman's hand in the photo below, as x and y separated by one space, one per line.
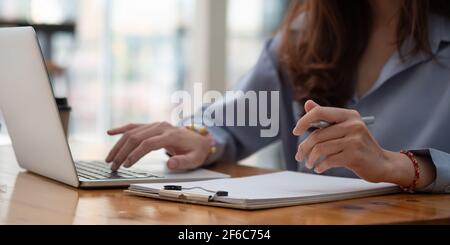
348 143
189 150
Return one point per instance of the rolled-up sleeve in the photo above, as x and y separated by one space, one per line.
441 161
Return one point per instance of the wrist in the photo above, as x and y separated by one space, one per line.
399 169
208 141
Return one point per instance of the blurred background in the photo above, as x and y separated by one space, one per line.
118 61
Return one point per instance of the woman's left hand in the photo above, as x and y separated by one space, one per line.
348 143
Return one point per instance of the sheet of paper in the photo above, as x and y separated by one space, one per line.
280 185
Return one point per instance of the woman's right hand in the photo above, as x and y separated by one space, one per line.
189 150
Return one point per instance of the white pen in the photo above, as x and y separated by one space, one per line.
323 124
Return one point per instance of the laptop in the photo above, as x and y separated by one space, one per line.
34 125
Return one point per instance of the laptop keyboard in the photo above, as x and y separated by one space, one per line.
95 170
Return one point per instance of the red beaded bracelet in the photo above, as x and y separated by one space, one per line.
415 163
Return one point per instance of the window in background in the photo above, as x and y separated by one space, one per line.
54 22
250 24
38 11
128 63
122 64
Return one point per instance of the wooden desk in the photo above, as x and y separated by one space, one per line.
26 198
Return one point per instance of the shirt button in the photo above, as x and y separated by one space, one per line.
447 190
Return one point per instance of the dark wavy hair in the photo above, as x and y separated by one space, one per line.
321 59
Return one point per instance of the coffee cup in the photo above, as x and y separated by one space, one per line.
64 113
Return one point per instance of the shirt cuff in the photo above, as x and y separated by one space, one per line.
441 161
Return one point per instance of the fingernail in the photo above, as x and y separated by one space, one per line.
115 166
126 164
318 170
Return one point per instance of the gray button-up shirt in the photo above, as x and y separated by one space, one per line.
410 100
